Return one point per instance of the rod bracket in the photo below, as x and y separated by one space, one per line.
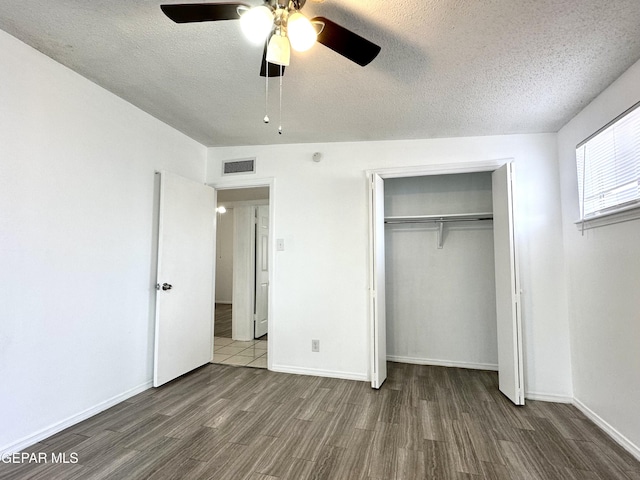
440 233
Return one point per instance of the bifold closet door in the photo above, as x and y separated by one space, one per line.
186 275
377 287
510 364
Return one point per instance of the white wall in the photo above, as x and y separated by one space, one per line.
604 283
440 302
321 280
224 257
77 193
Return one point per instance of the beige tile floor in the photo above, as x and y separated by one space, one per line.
230 352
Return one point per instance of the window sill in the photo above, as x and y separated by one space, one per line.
631 212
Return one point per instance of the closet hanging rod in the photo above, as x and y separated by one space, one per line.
455 217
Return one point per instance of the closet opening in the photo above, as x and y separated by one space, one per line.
444 274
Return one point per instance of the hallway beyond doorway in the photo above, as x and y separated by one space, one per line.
230 352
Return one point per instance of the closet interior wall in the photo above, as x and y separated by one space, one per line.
440 302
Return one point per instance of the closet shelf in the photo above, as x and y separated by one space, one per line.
440 220
452 217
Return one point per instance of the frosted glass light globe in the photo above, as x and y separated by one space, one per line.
278 50
256 24
301 33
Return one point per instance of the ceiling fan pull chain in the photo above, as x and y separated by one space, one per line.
280 126
266 93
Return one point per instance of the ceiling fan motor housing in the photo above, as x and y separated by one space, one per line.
288 4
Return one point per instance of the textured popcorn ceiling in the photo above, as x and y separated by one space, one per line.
447 67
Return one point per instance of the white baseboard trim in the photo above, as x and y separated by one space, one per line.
242 339
320 373
72 420
548 397
442 363
624 442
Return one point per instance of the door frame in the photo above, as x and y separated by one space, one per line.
234 184
407 172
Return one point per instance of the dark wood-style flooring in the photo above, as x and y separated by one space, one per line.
222 320
228 423
223 323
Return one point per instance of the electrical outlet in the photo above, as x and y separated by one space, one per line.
315 345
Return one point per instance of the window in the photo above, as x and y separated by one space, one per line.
609 167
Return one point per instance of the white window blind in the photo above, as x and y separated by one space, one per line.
609 167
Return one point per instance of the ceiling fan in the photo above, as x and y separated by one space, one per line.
281 26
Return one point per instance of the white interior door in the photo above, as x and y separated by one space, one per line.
377 287
262 271
186 272
510 364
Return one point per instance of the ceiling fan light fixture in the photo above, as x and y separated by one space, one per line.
257 23
281 22
301 32
279 50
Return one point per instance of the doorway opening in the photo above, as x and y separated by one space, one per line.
241 322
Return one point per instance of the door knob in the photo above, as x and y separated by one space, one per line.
167 286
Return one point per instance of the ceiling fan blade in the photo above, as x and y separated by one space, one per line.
346 43
274 70
202 12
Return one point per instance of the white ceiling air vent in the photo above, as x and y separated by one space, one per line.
236 167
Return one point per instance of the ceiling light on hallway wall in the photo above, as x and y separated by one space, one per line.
221 209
